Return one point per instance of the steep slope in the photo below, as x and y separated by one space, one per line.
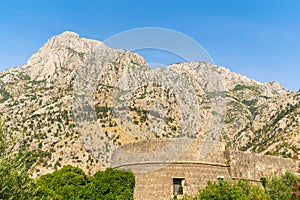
37 100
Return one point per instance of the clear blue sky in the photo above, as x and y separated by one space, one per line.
257 38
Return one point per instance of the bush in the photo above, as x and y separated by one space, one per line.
112 184
14 180
72 183
283 187
66 183
229 190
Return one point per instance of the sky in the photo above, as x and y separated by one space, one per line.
258 38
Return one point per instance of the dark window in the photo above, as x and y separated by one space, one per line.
178 185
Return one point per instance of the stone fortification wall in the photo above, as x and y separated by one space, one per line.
253 166
156 163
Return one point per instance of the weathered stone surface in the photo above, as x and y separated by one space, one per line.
154 180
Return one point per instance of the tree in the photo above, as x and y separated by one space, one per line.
230 190
66 183
14 180
5 142
72 183
113 184
284 187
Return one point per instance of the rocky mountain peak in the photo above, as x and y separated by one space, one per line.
59 58
58 55
68 34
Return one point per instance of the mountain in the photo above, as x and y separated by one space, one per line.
75 100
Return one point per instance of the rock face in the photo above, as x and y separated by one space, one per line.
124 101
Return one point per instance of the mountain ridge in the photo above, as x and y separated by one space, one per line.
36 100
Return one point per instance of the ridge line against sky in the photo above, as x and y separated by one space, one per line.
259 38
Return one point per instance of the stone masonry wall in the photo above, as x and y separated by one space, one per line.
159 184
253 166
155 170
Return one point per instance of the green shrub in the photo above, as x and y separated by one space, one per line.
14 180
112 184
15 183
72 183
66 183
224 190
283 187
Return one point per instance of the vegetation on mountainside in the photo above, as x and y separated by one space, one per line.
14 180
67 183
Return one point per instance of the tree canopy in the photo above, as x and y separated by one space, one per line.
72 183
224 190
14 180
284 187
